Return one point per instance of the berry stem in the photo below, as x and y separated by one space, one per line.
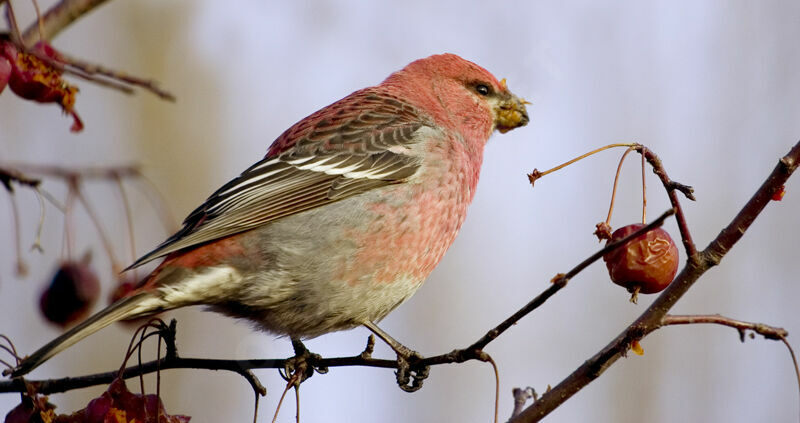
644 194
616 180
533 176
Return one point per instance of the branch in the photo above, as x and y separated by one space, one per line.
768 332
58 17
52 386
70 173
672 186
653 316
560 281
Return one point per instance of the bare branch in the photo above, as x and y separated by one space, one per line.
651 319
768 332
58 17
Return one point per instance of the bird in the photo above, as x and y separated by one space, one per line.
342 220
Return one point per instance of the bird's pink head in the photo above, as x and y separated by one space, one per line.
460 95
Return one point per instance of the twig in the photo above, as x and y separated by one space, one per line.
672 186
89 71
52 386
768 332
651 319
91 172
559 282
58 17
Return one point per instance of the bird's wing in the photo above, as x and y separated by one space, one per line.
359 143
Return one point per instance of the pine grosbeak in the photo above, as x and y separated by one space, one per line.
344 218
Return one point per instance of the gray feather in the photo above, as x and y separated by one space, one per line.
123 309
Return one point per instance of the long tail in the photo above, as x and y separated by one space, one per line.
141 304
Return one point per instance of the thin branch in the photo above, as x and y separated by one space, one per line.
651 319
768 332
91 71
58 17
52 386
91 172
672 186
559 282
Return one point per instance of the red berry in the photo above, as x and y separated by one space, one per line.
646 264
71 294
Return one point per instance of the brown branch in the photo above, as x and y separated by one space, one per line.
69 173
652 318
91 71
672 186
52 386
559 282
58 17
768 332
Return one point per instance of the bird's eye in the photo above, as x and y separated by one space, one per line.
483 89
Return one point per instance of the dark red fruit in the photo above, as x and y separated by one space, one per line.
646 264
71 294
118 404
32 408
35 79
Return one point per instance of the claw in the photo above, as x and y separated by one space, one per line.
301 366
409 374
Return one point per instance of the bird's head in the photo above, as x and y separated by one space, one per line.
460 92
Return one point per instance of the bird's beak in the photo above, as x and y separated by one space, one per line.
509 112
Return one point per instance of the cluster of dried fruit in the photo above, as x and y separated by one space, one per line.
116 405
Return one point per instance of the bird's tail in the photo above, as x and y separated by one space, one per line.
138 305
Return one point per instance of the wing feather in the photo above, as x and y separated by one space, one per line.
352 146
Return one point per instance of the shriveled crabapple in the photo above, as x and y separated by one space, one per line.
646 264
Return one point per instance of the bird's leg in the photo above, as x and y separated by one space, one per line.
406 358
301 367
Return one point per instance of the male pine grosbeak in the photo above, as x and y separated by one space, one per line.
344 218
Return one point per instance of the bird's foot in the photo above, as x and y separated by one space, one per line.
302 366
410 373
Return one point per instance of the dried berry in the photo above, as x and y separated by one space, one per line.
32 78
118 404
32 408
646 264
71 293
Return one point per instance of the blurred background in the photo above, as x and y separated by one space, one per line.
712 87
